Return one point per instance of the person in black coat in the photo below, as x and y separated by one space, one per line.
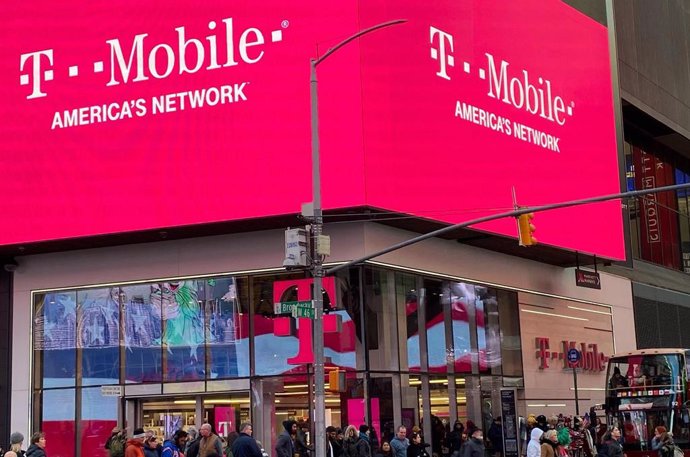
333 448
496 436
474 447
245 445
611 447
416 447
38 445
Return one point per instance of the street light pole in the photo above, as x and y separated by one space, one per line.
317 262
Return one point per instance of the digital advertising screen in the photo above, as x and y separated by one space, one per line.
121 116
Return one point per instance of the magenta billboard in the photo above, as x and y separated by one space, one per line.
119 117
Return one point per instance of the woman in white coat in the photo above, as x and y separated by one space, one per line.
534 446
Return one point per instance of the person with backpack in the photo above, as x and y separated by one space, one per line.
667 447
116 443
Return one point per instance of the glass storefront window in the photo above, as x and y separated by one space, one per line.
58 421
381 412
183 329
510 343
98 314
98 417
435 325
488 330
408 304
683 177
462 298
143 331
271 352
55 338
381 319
226 309
200 329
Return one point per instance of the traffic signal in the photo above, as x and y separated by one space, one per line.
526 230
336 381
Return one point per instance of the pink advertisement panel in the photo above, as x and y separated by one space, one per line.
119 117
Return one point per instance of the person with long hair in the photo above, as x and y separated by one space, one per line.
656 441
417 448
350 441
611 446
16 440
667 447
385 451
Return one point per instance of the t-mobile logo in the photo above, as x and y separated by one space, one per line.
35 71
442 53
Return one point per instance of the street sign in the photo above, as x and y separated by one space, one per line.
296 308
588 279
573 356
303 312
111 391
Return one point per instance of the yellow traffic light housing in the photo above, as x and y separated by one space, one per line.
526 230
336 381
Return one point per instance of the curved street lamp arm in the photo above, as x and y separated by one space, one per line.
315 62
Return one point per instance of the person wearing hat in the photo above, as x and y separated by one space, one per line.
16 440
135 445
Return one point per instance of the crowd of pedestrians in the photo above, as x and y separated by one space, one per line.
557 436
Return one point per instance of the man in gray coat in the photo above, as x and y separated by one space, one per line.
285 446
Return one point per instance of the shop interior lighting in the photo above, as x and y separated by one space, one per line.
546 405
553 314
607 313
218 401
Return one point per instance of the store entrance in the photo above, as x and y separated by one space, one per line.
166 414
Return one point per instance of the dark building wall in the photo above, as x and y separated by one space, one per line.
653 44
596 9
5 354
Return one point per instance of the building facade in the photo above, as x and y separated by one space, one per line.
141 282
175 333
652 69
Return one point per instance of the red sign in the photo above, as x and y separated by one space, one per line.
165 114
590 359
657 212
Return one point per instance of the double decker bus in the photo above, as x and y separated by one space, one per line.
646 389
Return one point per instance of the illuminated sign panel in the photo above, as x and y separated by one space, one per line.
183 115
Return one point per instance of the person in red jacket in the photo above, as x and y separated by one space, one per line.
135 445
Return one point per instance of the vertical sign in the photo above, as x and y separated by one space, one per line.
225 420
510 424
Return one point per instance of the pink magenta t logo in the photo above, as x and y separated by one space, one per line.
282 325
